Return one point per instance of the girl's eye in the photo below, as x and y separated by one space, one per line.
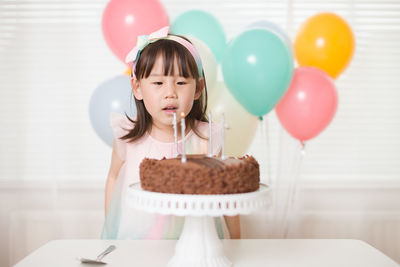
181 83
157 83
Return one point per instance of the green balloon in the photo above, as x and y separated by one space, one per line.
204 27
258 68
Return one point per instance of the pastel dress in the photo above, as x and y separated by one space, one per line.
124 222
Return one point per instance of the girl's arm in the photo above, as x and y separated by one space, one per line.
233 224
116 164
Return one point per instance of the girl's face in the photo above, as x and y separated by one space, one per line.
163 95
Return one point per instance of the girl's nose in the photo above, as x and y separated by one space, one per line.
170 91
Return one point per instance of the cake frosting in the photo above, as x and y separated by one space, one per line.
200 174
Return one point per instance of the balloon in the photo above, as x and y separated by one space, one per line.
124 20
113 95
325 41
265 24
257 68
208 61
128 72
203 26
309 104
242 126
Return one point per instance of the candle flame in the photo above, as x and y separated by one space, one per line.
182 114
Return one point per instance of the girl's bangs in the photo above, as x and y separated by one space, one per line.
169 53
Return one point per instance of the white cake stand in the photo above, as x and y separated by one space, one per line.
199 245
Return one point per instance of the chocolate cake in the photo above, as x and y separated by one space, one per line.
200 175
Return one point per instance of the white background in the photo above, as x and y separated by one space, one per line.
53 166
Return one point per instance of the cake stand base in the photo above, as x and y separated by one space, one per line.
199 245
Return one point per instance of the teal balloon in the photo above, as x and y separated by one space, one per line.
203 26
267 25
258 69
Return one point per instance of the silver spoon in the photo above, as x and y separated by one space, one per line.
100 257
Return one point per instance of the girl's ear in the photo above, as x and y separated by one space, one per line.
137 91
199 89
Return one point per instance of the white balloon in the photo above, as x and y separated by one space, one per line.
208 61
241 125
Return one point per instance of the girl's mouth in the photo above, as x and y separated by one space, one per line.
170 110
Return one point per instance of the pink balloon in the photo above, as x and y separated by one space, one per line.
309 104
124 20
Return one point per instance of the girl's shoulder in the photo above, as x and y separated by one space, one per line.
121 126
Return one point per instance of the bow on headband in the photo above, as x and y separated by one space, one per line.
143 41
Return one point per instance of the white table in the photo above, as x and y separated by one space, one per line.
243 253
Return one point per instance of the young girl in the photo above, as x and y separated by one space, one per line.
167 78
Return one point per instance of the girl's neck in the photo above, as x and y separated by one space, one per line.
166 133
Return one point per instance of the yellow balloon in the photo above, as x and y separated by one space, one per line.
325 41
241 125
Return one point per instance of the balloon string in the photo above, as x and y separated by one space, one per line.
267 145
290 178
263 131
277 182
293 191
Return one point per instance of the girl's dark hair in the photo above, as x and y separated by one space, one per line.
169 50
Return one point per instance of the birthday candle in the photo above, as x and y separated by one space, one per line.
210 135
223 137
175 136
183 126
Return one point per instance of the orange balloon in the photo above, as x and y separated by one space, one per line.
325 41
128 72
